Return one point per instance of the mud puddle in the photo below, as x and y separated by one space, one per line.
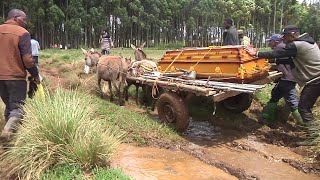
245 151
152 163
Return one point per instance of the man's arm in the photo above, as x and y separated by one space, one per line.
289 51
38 45
26 55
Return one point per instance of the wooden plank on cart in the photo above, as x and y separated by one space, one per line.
226 94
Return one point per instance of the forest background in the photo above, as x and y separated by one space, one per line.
190 23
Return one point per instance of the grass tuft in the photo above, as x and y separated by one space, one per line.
59 130
314 130
75 172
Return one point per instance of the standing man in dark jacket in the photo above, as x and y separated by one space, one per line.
230 34
15 61
285 87
306 58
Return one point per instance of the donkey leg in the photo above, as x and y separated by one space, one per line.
145 95
121 102
137 93
117 86
125 91
99 86
110 90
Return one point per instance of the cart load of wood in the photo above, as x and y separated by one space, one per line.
221 63
197 84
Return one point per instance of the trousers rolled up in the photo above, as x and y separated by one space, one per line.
287 90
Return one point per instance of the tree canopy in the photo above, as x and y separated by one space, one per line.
191 22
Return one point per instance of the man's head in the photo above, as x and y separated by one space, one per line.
240 33
274 40
290 33
19 16
228 22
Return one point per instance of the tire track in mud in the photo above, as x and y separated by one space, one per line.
199 153
301 166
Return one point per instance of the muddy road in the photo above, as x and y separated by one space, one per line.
220 147
212 152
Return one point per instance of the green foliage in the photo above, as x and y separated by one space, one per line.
138 126
63 172
113 174
75 172
264 95
314 129
196 23
60 129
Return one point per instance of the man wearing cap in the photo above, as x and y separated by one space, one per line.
285 87
243 39
306 58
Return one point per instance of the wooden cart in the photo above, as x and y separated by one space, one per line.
174 93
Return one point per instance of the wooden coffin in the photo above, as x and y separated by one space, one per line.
222 63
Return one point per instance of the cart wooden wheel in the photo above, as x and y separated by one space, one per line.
173 110
238 103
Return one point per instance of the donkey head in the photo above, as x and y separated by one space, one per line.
138 52
125 62
91 58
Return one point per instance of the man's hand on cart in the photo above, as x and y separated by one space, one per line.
252 51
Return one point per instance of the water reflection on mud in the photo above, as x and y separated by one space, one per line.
152 163
202 130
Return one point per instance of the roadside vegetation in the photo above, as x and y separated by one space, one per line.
58 130
44 149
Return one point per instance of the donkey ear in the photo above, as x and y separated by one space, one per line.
141 47
84 51
133 46
120 55
128 60
92 50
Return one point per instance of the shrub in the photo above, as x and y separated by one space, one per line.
60 129
75 172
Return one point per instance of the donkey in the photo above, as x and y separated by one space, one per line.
138 52
113 69
91 59
137 68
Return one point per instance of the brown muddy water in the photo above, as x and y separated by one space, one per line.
258 160
151 163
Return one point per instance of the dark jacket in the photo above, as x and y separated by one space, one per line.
306 58
230 36
15 52
285 67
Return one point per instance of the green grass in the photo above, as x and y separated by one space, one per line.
61 129
75 172
139 128
76 55
314 129
264 95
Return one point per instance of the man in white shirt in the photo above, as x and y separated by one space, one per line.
35 50
35 47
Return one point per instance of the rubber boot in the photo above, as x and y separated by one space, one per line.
9 128
297 117
271 113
